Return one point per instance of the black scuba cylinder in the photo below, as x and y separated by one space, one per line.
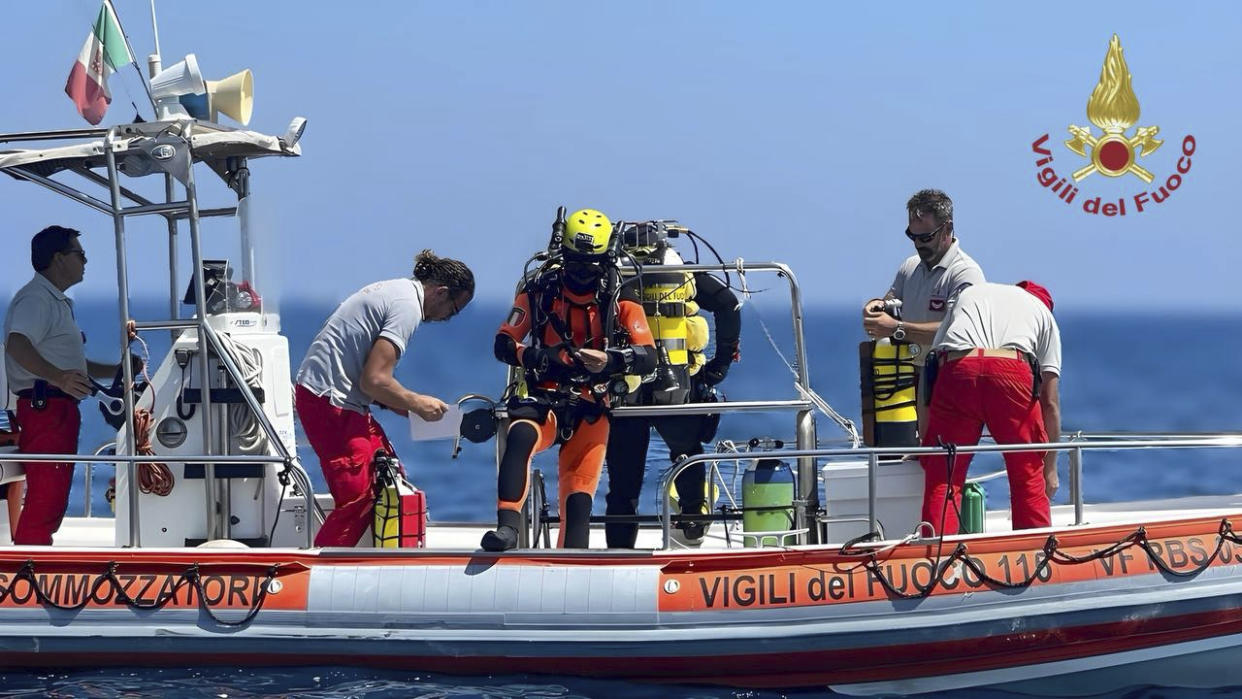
558 233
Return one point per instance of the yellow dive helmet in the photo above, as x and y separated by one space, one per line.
587 233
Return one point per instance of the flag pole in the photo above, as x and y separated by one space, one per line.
145 85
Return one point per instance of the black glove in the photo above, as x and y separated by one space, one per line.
619 360
538 359
716 370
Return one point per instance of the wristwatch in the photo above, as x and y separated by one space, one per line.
900 333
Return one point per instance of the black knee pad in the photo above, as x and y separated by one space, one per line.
521 439
511 479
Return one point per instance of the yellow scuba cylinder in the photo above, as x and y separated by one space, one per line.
666 297
664 301
888 383
400 508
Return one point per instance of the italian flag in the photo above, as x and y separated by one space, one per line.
105 50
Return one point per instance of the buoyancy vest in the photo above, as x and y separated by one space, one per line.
556 318
680 334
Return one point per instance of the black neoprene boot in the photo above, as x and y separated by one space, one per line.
500 539
505 535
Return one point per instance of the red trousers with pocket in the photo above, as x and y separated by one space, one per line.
969 393
52 430
345 442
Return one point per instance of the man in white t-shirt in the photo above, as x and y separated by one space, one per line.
998 355
350 365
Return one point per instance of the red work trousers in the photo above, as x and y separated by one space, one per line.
52 430
345 442
969 393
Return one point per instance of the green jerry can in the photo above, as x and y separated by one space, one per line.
974 508
767 502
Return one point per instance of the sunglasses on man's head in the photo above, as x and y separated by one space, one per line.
924 237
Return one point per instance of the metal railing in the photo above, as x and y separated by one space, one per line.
1079 443
133 460
172 209
804 420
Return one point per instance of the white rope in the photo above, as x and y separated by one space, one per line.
244 426
740 266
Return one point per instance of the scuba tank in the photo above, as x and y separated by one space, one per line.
664 301
667 299
767 497
888 382
400 508
558 233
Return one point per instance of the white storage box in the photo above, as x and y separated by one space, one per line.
899 498
11 470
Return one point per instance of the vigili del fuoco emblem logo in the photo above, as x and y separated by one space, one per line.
1115 152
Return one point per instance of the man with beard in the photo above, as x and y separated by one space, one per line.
350 366
926 282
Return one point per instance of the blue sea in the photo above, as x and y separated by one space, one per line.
1124 370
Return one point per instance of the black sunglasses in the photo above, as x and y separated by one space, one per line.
924 237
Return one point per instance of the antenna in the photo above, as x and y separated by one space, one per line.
155 30
154 65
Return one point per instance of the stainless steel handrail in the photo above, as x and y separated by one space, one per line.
90 475
139 459
808 499
127 370
872 454
289 459
741 406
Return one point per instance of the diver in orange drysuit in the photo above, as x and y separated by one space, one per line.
567 313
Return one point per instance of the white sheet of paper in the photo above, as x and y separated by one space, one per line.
446 427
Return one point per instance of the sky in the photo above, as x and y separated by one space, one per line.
789 131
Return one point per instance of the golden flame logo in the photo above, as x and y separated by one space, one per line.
1114 108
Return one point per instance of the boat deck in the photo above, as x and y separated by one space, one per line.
98 532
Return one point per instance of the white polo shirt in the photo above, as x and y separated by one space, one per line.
1002 316
44 315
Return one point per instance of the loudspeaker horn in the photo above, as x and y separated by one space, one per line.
181 78
233 96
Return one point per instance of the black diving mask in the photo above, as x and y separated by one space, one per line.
583 276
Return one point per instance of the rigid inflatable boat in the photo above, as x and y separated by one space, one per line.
219 567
